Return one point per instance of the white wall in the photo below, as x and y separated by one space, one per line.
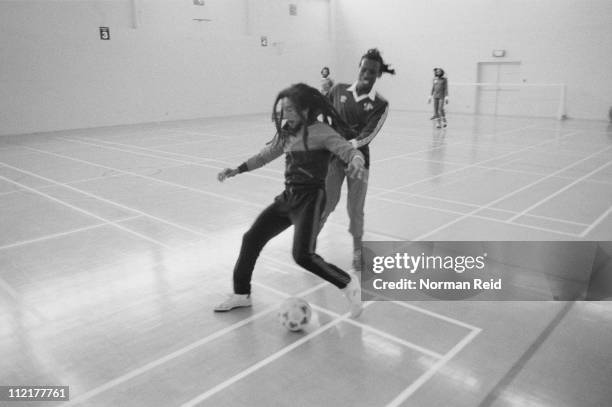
57 74
567 41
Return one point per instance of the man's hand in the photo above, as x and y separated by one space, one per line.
227 173
356 167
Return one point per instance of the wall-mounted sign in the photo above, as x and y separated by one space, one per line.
104 33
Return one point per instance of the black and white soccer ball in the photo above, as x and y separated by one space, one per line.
294 313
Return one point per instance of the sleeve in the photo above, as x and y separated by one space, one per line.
267 154
445 87
375 121
335 143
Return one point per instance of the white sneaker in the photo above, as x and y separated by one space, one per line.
352 292
234 301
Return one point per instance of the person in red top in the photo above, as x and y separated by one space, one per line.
439 93
308 145
365 111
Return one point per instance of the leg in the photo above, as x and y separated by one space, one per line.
357 190
442 112
436 102
309 207
272 221
333 188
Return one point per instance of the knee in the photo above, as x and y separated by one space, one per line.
249 237
303 258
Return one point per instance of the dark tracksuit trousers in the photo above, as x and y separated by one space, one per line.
301 207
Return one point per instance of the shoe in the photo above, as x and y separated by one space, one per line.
234 301
352 292
357 259
438 126
433 117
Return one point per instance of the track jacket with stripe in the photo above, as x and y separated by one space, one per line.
305 167
365 114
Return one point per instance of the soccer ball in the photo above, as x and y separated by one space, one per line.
294 314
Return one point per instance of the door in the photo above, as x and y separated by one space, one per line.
495 98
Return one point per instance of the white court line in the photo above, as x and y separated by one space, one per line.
454 143
374 195
474 215
262 363
249 203
221 160
422 237
119 205
242 201
179 352
194 163
83 180
158 362
410 390
83 211
445 318
403 304
507 211
180 132
276 269
199 191
511 170
473 165
224 159
361 325
565 188
67 233
67 183
596 222
154 148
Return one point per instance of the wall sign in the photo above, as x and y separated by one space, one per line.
104 33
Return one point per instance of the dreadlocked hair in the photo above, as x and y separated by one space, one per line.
306 97
374 55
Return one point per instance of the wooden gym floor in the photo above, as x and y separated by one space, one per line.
116 243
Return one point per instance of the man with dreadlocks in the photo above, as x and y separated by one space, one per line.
365 111
308 145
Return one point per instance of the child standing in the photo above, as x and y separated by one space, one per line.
439 93
326 81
